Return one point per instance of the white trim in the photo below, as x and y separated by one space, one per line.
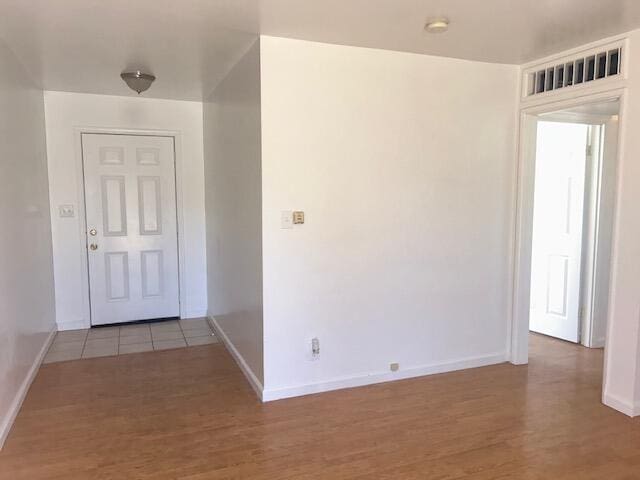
522 248
620 42
524 206
182 257
244 366
556 57
350 381
77 325
621 405
7 422
569 99
513 215
380 377
84 271
195 314
591 238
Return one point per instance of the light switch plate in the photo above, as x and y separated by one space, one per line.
298 218
286 219
66 211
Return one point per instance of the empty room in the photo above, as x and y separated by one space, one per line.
298 239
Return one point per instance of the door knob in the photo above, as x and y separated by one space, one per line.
93 246
93 232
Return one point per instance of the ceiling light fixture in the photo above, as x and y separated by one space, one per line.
138 81
437 26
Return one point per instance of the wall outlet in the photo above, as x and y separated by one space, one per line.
315 347
394 367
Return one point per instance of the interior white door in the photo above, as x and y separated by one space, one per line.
561 151
132 240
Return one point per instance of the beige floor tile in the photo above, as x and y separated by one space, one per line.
101 343
103 332
167 335
67 347
172 326
193 341
134 330
135 348
71 336
108 341
166 344
203 332
99 352
62 356
142 337
194 324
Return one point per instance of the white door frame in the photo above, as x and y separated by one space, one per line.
82 216
519 351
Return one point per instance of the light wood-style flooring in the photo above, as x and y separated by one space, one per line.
189 414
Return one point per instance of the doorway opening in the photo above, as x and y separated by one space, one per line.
131 227
573 208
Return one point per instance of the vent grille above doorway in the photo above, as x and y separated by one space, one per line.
605 62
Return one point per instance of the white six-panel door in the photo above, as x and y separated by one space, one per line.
132 241
557 229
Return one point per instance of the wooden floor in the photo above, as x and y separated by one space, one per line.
189 414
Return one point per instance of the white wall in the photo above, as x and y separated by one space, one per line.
234 229
27 313
622 351
404 166
65 112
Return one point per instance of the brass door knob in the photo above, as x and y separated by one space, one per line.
93 246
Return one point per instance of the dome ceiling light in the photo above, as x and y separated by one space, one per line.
138 81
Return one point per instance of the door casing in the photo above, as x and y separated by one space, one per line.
523 211
82 217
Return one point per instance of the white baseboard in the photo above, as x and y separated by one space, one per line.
380 377
621 405
251 377
195 314
7 422
77 325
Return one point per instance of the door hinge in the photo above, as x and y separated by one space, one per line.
589 150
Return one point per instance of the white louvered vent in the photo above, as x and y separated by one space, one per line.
596 65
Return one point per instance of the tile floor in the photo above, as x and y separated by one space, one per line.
106 341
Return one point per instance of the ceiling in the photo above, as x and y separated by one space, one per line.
83 45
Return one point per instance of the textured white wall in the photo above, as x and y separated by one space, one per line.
404 166
67 111
622 350
27 311
234 228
